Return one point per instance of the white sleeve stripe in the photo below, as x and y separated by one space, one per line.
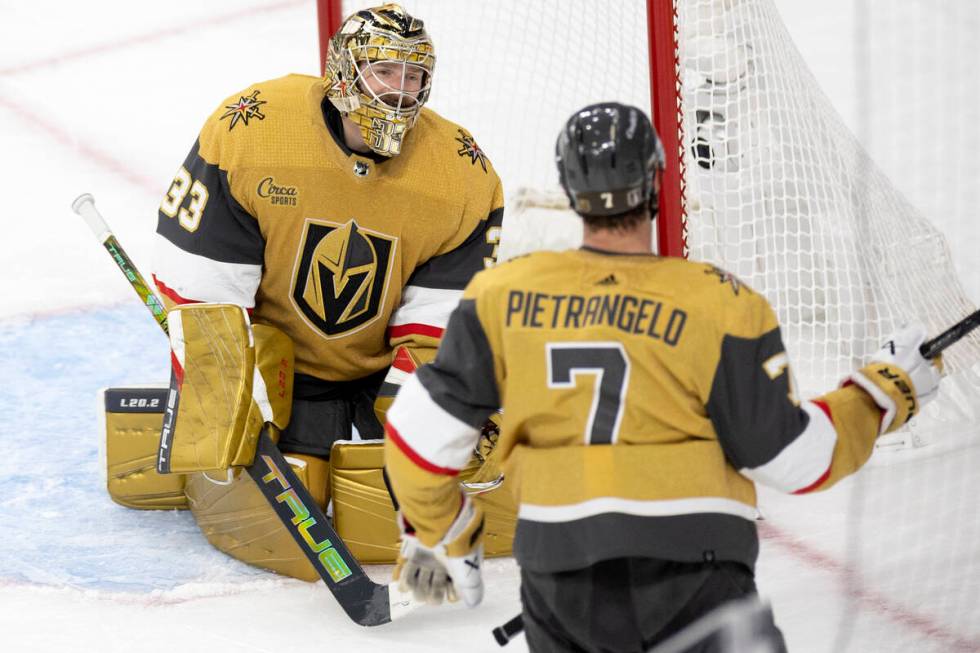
430 306
434 434
804 460
202 279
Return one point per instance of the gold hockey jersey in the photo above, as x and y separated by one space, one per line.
642 399
348 254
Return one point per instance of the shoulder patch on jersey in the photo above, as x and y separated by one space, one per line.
470 148
727 277
245 109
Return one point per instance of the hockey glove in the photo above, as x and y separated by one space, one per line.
450 569
899 379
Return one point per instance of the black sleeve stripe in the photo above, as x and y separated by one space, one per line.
461 379
227 232
453 270
751 412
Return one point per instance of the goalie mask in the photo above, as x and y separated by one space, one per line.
378 73
608 155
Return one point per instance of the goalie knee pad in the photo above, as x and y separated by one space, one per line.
364 515
316 477
237 519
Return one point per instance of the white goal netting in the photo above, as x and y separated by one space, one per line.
838 231
783 194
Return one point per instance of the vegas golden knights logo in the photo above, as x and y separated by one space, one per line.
342 276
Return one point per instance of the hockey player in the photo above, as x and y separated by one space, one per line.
343 213
643 397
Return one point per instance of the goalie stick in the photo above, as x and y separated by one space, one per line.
367 603
84 205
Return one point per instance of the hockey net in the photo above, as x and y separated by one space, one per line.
776 189
781 193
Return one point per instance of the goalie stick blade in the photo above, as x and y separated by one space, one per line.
367 603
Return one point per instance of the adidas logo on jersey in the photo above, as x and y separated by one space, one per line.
608 281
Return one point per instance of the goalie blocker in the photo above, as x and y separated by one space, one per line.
222 360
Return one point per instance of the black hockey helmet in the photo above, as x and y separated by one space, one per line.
608 155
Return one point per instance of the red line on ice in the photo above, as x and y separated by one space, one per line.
71 141
140 39
64 137
875 602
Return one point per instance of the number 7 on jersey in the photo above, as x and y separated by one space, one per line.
609 363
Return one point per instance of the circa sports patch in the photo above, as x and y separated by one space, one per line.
276 192
245 109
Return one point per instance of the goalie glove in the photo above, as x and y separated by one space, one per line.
899 379
450 569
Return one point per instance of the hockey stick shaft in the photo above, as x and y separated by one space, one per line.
84 205
367 603
503 634
934 347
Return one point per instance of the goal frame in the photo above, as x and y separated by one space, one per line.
665 109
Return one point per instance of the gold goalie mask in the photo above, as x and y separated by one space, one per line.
378 73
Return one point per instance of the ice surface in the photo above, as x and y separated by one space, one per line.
106 97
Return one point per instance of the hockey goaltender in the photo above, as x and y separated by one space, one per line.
310 249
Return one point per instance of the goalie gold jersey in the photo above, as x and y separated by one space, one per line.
348 254
642 398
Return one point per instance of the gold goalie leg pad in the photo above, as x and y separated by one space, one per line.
237 519
364 517
133 417
317 479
